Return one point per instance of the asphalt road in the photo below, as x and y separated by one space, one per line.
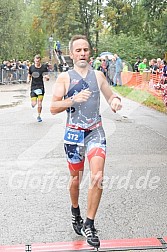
35 204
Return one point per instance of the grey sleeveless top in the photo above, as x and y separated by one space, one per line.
84 114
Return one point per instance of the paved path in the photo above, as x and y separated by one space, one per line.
35 205
12 95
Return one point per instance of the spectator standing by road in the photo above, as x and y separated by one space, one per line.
65 67
107 66
143 66
136 65
77 91
164 69
153 66
160 65
111 70
58 47
118 70
104 66
55 70
37 74
55 46
97 64
91 61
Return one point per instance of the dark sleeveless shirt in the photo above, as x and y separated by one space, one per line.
84 114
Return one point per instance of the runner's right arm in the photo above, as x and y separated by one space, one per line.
58 104
29 77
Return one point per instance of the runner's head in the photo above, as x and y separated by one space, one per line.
37 60
74 38
79 50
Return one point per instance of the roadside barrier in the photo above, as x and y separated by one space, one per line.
145 81
13 76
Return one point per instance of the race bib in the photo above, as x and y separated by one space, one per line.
73 136
38 91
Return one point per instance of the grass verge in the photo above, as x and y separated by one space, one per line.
142 97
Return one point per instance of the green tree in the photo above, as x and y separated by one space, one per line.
34 36
21 36
9 30
66 18
26 25
154 19
128 47
118 14
60 18
154 8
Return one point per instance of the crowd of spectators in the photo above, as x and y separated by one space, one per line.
111 66
14 70
158 69
15 64
154 65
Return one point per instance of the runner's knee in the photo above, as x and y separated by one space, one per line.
74 180
97 179
33 104
39 103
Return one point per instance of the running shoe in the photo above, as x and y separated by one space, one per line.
77 223
91 235
39 119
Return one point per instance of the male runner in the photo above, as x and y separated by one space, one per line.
78 92
37 74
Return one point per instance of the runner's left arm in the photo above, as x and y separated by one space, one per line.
113 100
45 74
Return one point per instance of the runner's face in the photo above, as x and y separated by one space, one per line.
80 53
37 62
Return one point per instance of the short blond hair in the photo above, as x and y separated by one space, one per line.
37 56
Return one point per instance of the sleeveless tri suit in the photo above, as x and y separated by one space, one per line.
84 131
